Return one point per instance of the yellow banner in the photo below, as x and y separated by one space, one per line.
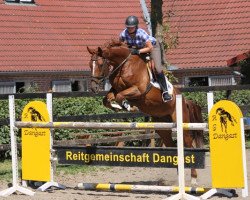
35 143
226 145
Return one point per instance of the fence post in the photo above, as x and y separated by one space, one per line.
15 186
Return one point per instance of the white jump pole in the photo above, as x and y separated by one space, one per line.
245 189
181 174
51 183
210 101
15 186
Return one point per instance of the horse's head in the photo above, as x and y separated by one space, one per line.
99 67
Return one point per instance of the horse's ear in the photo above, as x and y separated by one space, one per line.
100 51
124 44
91 51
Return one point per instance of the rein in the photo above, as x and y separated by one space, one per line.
102 78
122 63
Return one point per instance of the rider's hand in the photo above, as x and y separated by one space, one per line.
134 51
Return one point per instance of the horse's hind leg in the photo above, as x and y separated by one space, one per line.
188 142
166 138
193 139
188 137
165 135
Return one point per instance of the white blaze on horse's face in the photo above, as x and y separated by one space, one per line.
93 67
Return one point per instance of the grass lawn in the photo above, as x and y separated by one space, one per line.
6 170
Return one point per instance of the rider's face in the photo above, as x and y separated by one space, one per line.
131 30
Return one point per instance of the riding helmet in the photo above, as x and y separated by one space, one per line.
132 21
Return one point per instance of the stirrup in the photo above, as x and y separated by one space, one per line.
166 97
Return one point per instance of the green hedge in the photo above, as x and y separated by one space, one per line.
240 97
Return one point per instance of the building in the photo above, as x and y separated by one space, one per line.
207 33
43 42
241 65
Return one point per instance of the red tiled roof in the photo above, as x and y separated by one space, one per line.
210 32
233 61
53 35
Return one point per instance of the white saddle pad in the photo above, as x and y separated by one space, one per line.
169 85
157 85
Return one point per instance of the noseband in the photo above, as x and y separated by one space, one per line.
95 62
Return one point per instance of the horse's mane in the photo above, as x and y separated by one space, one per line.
115 43
115 47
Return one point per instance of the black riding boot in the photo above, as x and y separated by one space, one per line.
162 81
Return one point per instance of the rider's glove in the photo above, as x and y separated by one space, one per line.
134 51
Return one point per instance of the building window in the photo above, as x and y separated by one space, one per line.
69 86
85 85
61 86
107 85
197 81
20 87
221 80
13 87
79 85
7 87
26 2
210 81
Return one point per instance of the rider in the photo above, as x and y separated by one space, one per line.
140 42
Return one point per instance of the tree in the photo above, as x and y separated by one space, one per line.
245 71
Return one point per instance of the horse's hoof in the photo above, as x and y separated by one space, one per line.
116 106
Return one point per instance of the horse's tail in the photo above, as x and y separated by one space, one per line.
196 117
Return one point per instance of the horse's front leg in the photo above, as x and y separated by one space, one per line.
109 99
128 94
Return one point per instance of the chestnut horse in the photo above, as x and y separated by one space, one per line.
130 81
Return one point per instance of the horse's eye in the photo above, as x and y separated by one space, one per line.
100 64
